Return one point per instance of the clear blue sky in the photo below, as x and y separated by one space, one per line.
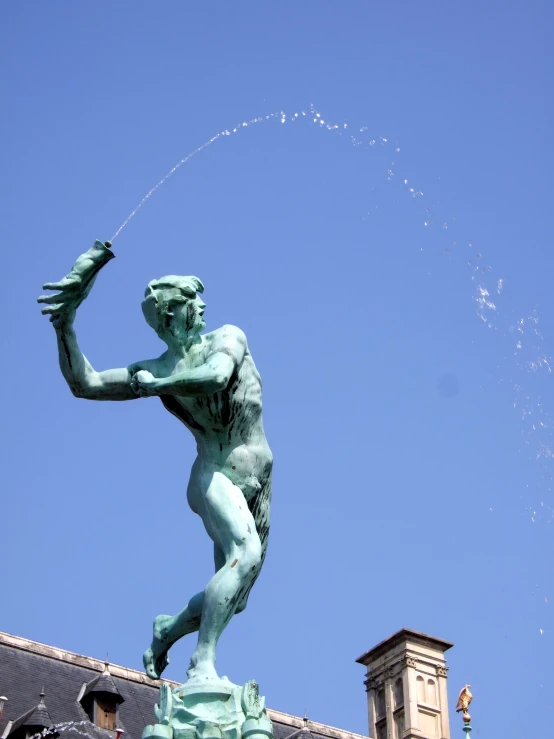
413 478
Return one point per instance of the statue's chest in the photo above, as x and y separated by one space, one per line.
192 360
203 413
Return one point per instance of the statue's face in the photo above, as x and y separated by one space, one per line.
180 319
188 317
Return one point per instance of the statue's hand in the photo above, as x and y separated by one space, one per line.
63 304
143 384
75 287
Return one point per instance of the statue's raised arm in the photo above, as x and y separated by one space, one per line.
79 374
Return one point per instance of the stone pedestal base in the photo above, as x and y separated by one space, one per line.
210 709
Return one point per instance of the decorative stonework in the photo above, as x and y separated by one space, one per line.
442 671
371 683
407 661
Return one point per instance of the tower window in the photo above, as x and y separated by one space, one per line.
420 682
398 693
381 707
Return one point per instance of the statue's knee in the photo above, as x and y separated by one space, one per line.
249 555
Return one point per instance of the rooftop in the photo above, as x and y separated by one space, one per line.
26 666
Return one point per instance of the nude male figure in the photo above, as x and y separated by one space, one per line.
210 383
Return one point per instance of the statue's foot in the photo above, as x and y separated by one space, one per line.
154 664
201 669
155 658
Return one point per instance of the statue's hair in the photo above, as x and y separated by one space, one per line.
187 286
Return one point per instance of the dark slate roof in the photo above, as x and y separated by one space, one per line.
22 674
27 666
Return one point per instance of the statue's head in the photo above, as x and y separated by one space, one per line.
173 308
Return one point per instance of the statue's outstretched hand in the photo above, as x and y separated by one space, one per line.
63 304
143 384
75 287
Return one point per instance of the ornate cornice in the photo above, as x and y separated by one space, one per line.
407 661
371 683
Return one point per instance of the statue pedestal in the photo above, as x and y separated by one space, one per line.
210 709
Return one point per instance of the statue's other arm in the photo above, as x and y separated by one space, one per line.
227 352
83 380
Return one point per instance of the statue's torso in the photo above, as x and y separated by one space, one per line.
227 425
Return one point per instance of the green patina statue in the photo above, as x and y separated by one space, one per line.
210 383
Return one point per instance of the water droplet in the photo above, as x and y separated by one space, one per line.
445 225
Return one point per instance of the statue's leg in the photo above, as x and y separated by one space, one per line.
231 526
166 631
169 629
259 507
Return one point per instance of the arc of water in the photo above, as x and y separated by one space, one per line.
184 160
280 115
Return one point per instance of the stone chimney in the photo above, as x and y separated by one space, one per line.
406 687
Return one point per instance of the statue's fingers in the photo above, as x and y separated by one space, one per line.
53 285
65 284
58 308
50 298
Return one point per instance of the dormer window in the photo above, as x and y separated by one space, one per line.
32 722
105 712
101 699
